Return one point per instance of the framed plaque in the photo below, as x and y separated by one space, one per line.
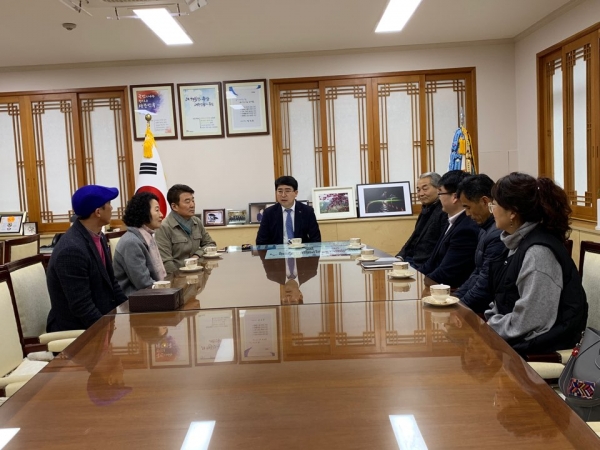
159 102
246 107
200 111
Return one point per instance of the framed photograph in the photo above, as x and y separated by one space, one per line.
11 223
214 217
384 199
258 335
29 228
236 217
159 102
334 202
256 210
200 110
246 107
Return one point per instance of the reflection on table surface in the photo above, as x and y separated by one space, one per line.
337 376
245 279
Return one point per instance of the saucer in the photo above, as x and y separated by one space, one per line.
449 301
409 273
355 247
367 258
296 246
188 269
214 255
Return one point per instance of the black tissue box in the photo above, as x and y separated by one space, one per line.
146 300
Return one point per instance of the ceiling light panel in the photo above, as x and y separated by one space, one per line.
164 26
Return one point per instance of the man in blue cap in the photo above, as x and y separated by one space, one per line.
80 276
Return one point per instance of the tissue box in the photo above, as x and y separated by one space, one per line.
146 300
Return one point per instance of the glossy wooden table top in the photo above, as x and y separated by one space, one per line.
244 279
342 375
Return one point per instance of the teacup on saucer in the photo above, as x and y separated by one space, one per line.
211 254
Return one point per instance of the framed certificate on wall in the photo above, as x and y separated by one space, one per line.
246 107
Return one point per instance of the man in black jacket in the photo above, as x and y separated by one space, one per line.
430 225
453 258
475 193
80 276
287 218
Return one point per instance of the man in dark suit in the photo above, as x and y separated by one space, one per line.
431 223
80 276
288 218
453 258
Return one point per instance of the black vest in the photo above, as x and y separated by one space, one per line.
572 307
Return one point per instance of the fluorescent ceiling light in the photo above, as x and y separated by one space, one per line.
396 15
164 26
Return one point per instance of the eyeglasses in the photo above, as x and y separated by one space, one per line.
284 191
491 207
445 193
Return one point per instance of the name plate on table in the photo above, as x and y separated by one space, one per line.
146 300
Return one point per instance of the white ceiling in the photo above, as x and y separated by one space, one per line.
31 31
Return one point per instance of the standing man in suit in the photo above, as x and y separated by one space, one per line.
80 277
453 258
287 219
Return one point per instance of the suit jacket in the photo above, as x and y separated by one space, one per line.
453 258
82 289
275 269
271 225
431 224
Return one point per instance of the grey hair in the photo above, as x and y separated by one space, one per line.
435 178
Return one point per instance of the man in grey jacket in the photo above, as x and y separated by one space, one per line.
181 234
475 193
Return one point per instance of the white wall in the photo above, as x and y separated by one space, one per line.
231 172
577 19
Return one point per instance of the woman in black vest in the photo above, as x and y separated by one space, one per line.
539 302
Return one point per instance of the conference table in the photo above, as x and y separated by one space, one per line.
356 361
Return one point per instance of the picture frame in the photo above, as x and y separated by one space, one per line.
236 217
334 202
215 337
30 228
200 110
258 335
246 107
11 222
174 349
254 211
157 100
384 199
214 217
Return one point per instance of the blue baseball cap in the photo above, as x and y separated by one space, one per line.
88 198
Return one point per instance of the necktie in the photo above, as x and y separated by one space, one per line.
289 226
291 262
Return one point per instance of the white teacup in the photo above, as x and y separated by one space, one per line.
161 285
368 252
355 242
210 250
400 267
440 292
191 263
296 241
